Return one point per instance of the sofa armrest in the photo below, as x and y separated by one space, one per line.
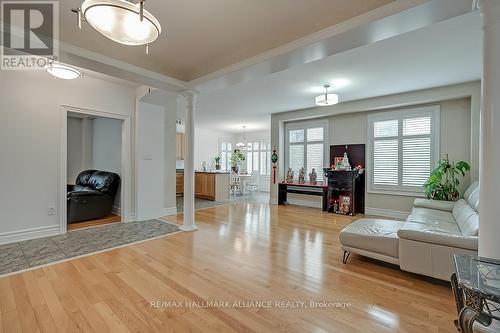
439 238
446 206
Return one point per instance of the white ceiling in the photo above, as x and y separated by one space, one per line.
441 54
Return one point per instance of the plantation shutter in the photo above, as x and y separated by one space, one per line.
403 149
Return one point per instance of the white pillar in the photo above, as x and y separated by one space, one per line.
189 222
489 213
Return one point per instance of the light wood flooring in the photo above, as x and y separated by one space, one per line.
241 252
112 218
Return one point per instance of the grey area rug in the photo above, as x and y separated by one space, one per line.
32 253
198 204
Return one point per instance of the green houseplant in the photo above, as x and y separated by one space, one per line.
217 162
444 180
236 158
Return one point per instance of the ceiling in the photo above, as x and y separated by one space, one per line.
200 37
445 53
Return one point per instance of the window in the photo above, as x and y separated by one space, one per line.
258 158
226 151
403 147
305 147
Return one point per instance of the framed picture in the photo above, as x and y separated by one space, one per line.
345 204
337 161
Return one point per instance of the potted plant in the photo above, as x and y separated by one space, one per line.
236 158
217 162
444 180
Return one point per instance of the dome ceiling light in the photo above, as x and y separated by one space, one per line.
63 72
327 99
125 22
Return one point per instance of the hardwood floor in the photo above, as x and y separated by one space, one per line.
112 218
241 252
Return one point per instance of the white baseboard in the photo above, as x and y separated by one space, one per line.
386 213
169 211
21 235
116 210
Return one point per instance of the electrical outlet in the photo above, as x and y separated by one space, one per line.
51 211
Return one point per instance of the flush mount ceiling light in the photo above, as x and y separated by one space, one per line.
63 72
125 22
326 98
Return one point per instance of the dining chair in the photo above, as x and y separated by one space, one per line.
235 183
253 183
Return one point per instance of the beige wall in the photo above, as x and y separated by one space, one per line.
455 141
459 110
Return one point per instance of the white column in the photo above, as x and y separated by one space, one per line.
189 222
489 215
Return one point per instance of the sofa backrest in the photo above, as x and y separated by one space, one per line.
466 217
102 181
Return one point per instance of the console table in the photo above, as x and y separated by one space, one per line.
318 189
476 286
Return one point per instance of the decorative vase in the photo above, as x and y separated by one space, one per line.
235 168
217 167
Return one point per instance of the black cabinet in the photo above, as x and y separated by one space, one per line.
346 192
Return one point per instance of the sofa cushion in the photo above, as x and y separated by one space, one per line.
373 235
423 233
426 215
467 218
472 196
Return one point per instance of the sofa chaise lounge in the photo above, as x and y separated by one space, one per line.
426 241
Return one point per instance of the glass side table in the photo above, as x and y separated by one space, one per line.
476 286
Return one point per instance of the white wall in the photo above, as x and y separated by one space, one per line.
30 139
107 149
75 148
348 125
150 165
206 145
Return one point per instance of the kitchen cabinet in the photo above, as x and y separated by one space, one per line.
204 185
180 146
179 183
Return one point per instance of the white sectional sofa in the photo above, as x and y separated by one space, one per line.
426 241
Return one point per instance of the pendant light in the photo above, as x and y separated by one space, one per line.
327 99
243 145
125 22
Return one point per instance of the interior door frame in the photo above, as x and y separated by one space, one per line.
126 162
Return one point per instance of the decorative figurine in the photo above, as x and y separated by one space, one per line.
274 159
313 176
345 163
302 175
289 176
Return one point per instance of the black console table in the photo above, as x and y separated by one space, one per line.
476 286
318 188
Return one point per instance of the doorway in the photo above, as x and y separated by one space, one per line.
95 165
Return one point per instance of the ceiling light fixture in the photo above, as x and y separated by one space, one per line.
243 145
327 99
63 72
123 21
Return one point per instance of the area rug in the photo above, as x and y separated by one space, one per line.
198 204
24 255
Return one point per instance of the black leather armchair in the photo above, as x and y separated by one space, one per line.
93 195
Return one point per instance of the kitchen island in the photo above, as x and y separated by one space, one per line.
210 185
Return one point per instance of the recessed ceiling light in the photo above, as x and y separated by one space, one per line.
122 21
63 72
327 99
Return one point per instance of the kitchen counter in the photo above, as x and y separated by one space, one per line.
209 172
